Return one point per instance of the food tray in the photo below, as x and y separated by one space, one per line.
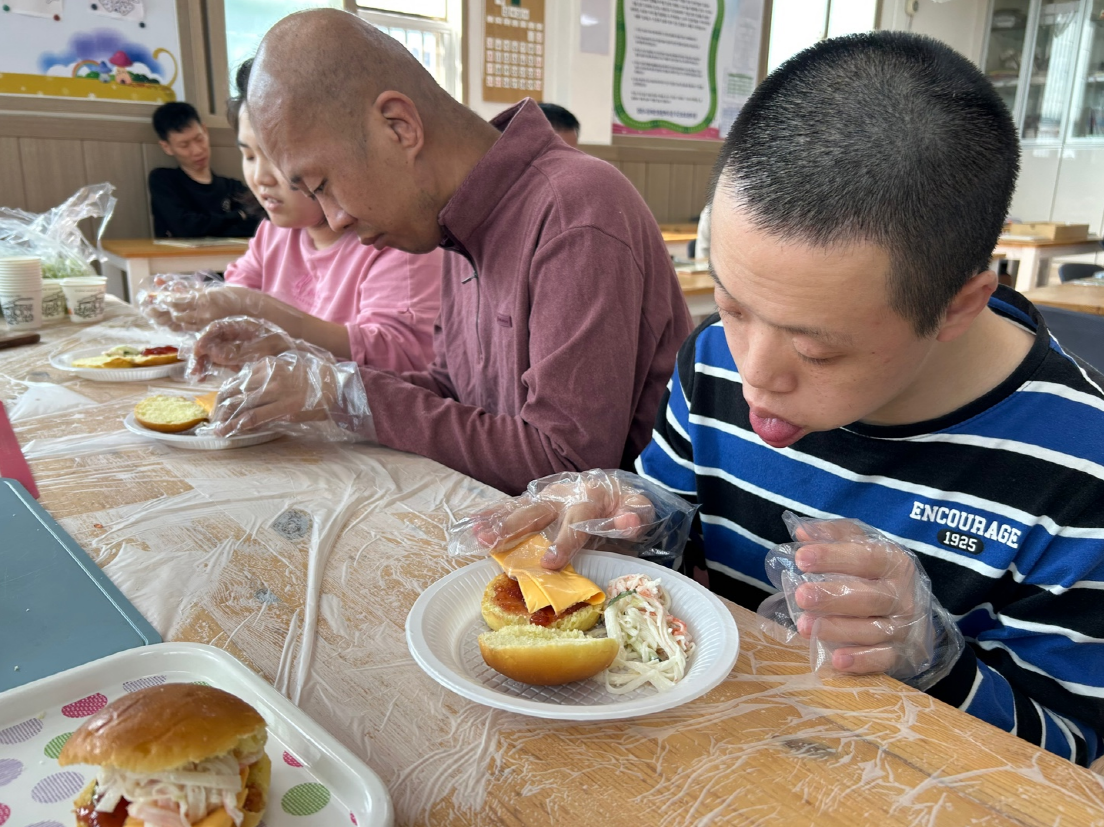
316 781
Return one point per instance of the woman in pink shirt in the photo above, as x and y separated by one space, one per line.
373 307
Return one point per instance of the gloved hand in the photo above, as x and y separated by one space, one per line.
238 340
298 393
629 514
186 304
864 603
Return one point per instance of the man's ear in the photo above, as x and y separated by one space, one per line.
165 146
967 305
402 122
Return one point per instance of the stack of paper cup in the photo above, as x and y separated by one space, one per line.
21 291
84 298
53 300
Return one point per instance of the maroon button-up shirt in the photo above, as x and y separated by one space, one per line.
560 319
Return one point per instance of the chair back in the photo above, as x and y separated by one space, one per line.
1079 333
1076 270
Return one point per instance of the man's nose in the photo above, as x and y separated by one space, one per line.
765 366
337 218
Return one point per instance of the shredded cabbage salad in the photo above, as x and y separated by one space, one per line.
654 644
178 797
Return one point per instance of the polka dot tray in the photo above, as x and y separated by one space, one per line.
316 780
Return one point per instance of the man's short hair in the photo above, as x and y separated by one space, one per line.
175 116
561 119
886 138
241 87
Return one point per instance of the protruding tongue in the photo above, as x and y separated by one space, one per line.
778 433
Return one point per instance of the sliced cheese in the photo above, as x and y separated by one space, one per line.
541 587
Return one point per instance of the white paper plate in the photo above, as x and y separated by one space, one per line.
316 780
64 362
188 439
443 628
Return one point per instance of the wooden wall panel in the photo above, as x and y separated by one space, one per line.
45 160
637 173
681 200
657 191
702 176
121 164
227 161
52 171
11 175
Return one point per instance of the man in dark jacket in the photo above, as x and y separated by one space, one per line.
191 201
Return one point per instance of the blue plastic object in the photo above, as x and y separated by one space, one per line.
57 609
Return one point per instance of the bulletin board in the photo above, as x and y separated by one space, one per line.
684 69
116 50
513 66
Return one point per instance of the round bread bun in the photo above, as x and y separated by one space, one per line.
169 414
499 616
546 657
164 727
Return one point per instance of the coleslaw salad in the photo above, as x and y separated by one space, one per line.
654 644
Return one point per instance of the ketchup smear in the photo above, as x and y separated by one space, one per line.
88 816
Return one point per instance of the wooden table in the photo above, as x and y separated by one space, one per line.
677 237
1034 256
191 539
697 289
1083 295
129 262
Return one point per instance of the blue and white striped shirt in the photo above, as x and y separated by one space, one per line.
1002 500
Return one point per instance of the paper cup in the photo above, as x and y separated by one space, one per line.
22 309
53 302
84 298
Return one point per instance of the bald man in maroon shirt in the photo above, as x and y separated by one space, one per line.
561 313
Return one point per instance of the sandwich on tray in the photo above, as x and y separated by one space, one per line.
175 755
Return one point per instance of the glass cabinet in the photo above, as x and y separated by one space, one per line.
1005 51
1088 103
1046 60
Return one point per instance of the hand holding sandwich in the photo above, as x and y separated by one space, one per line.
605 509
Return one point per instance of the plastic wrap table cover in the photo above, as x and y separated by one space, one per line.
303 560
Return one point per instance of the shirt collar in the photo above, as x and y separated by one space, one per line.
526 134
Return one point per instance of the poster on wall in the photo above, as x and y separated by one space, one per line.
684 68
514 50
117 50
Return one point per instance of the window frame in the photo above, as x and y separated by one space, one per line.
454 62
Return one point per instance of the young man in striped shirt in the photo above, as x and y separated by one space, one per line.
865 366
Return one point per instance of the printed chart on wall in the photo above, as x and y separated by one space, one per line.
514 49
684 68
118 50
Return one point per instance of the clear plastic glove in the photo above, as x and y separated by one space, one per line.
296 393
187 304
864 603
236 341
626 512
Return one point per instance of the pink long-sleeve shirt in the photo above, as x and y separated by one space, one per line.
387 299
560 319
